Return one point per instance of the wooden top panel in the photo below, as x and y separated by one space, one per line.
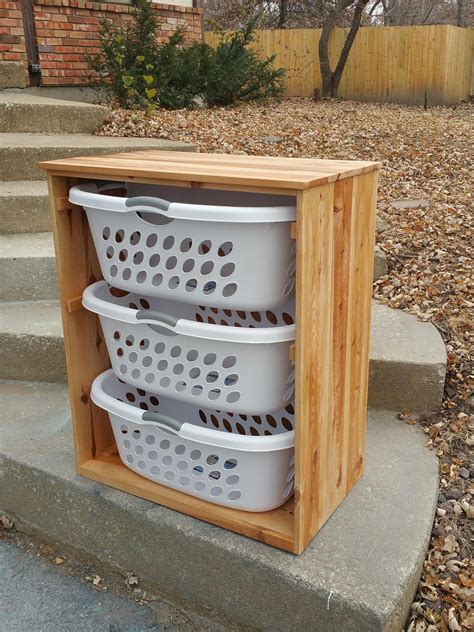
256 171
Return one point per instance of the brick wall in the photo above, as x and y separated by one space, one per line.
12 39
67 30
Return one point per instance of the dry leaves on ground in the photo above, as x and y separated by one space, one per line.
426 157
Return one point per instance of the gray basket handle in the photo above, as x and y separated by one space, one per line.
158 204
163 420
160 317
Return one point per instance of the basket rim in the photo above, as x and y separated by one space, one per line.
198 434
89 195
94 300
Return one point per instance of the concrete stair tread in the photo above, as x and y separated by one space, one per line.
402 376
27 245
21 152
79 141
27 267
410 340
31 318
359 573
31 113
23 188
25 98
24 207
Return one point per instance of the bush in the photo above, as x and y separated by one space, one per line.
138 72
237 74
127 62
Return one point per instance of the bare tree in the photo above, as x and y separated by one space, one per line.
461 19
283 14
332 78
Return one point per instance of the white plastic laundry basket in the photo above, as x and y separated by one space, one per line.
209 247
235 361
234 460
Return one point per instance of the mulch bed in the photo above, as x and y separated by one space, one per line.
427 161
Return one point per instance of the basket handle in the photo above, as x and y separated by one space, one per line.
160 317
154 204
168 423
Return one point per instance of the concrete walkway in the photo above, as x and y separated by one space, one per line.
36 596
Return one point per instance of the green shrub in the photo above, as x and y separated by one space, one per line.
138 72
127 63
237 74
182 73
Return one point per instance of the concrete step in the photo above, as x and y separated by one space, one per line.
20 153
407 362
24 207
31 340
407 357
359 573
27 267
380 263
35 114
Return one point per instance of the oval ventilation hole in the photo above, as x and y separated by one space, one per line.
151 240
204 247
209 287
157 280
229 290
229 362
168 243
138 258
225 249
186 244
135 238
188 265
207 267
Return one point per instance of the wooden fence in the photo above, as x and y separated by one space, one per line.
399 64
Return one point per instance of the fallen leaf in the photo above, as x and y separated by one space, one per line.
6 523
57 561
131 580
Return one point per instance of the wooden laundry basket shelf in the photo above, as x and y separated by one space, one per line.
334 257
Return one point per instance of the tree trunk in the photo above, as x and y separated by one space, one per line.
332 78
461 13
283 14
324 64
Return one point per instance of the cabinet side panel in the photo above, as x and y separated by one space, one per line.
86 355
314 401
334 279
364 198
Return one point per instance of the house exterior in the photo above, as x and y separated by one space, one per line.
46 42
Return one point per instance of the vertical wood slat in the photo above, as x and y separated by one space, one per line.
313 379
86 355
392 64
334 267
